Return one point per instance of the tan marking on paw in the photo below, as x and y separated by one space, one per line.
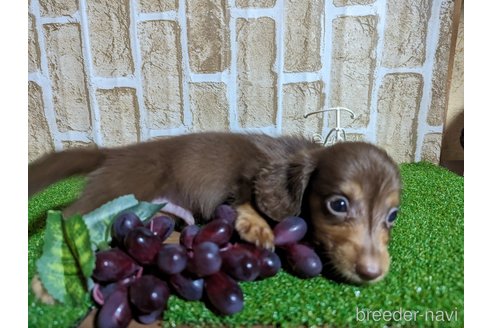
253 228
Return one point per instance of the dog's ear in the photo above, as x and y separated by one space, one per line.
279 187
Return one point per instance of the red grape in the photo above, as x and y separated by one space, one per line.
269 263
206 259
172 258
162 226
188 235
142 245
149 294
206 262
240 263
122 224
224 293
226 213
303 260
100 293
289 231
148 318
191 289
113 265
116 311
216 231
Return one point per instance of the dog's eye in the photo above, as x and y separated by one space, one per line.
338 205
392 215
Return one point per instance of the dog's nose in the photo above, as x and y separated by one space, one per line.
368 270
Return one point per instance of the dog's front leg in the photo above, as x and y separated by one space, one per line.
253 228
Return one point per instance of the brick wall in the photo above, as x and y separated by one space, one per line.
110 73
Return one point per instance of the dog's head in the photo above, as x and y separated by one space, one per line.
351 192
353 200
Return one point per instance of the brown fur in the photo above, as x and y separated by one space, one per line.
370 181
252 226
260 175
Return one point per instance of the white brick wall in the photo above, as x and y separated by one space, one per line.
169 67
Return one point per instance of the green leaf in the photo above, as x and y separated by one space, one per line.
99 221
57 267
145 210
78 239
68 259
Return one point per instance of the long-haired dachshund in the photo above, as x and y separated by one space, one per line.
349 193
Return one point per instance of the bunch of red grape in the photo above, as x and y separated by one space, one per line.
135 278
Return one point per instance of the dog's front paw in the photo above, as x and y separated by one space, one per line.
253 228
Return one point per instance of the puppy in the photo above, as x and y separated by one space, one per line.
349 193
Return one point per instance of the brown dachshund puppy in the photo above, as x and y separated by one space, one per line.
349 193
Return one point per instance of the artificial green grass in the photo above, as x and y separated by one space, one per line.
426 275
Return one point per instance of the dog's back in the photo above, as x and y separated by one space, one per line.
197 171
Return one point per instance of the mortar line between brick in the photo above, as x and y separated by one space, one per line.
137 74
379 71
185 62
87 54
354 10
45 83
255 12
304 76
432 39
166 132
38 78
209 77
356 130
279 33
75 136
232 84
115 82
165 15
326 56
